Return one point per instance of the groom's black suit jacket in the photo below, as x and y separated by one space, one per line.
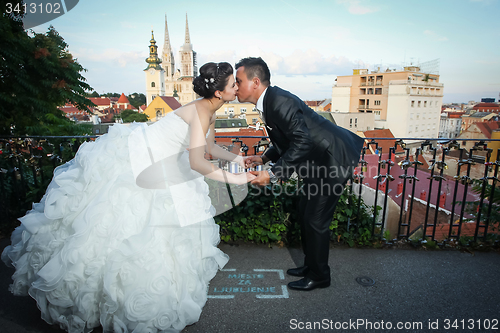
305 142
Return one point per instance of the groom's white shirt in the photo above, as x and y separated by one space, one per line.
260 105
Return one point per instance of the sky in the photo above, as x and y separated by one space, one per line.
306 44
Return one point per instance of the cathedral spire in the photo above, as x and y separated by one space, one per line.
166 46
168 55
187 40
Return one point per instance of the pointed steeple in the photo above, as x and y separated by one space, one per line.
168 55
166 46
188 56
187 40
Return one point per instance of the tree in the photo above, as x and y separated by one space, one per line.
37 74
111 95
137 99
129 116
93 94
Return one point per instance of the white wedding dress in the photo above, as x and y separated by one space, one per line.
101 250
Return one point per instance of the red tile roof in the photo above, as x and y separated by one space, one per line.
452 114
123 99
69 109
382 144
314 103
486 105
171 101
250 142
487 127
100 101
107 118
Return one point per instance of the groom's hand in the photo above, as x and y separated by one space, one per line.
262 178
251 161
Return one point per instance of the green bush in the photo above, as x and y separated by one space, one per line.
270 215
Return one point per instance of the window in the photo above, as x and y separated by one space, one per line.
377 102
418 116
243 110
425 104
231 110
350 123
416 128
377 112
225 110
412 104
419 102
411 116
254 120
356 122
152 84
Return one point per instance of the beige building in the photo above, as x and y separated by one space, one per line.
407 102
160 107
354 121
239 110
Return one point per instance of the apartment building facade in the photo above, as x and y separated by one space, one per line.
408 102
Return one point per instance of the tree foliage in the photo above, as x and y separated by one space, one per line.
137 99
37 74
129 116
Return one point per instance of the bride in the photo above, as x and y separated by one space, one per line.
124 236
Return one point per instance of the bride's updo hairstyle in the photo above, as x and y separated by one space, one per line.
212 77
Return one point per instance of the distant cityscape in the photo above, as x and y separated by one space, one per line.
401 103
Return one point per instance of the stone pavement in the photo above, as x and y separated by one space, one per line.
414 290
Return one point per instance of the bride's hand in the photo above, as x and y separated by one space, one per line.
243 178
241 161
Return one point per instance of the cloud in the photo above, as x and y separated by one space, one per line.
435 36
299 62
356 8
109 55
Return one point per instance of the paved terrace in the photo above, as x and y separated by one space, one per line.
410 286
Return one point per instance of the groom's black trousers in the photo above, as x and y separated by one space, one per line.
316 208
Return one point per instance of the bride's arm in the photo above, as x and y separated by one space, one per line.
218 152
197 147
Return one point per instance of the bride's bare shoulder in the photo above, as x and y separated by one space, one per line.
192 111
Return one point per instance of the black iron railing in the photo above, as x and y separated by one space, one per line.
408 173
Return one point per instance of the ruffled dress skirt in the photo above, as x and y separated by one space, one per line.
98 250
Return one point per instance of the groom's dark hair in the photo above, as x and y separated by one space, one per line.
256 67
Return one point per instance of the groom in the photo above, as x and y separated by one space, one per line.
321 153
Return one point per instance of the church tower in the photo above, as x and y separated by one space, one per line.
155 79
168 62
188 56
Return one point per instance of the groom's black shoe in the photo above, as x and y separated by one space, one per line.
307 284
299 271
